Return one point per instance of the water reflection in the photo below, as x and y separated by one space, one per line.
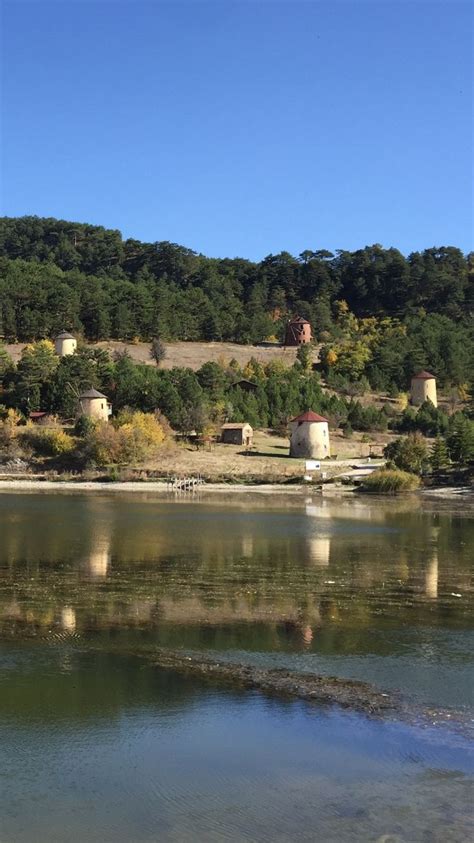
319 548
432 575
97 560
360 509
68 619
201 563
381 592
332 578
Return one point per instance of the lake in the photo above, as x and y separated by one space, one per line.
98 744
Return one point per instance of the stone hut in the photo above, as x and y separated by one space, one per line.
94 405
309 436
234 433
298 331
423 388
65 344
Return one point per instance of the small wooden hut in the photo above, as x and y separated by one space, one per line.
237 433
244 385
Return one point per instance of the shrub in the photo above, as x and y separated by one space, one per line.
103 445
10 416
9 422
409 453
402 398
131 438
388 481
358 387
84 425
158 350
144 426
9 439
347 431
49 443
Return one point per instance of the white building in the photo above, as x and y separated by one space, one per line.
94 405
65 344
309 436
423 388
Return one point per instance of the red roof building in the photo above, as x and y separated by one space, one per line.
309 436
423 376
309 416
298 331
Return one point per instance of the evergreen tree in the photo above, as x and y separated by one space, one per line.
34 376
439 456
304 356
460 439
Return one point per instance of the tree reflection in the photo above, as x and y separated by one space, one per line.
306 573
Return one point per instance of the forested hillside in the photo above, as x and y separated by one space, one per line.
378 313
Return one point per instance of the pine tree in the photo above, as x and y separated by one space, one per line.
439 456
304 356
461 439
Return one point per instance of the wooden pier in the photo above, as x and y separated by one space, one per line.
182 483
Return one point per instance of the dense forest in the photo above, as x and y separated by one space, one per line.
378 314
148 400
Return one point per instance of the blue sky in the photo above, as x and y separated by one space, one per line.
242 128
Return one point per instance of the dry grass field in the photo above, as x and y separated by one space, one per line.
267 459
191 355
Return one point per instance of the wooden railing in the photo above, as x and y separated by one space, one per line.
184 484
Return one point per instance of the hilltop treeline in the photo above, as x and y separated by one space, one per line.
56 274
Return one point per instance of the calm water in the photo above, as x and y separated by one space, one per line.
97 745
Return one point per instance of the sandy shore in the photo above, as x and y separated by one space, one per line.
155 486
159 487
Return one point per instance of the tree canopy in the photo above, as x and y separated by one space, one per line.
57 274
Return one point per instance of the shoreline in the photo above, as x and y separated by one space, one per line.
160 487
156 486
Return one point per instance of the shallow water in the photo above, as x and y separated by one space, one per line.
99 745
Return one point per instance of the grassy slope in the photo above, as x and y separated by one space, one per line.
191 354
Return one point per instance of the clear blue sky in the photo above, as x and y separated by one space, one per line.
242 128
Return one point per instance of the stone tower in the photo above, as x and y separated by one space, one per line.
65 344
309 436
423 388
